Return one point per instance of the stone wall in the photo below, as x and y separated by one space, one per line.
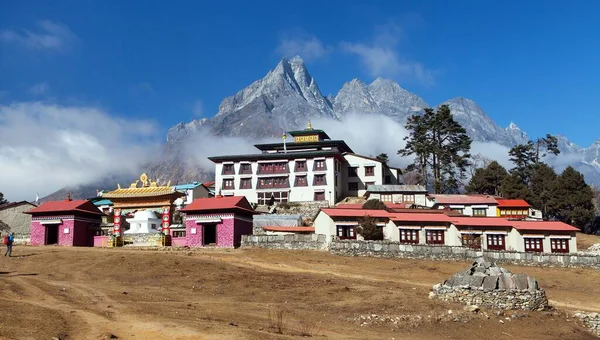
395 249
142 240
590 320
498 299
288 242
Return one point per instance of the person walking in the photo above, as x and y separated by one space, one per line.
10 239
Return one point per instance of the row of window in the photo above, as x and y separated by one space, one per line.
404 198
269 198
274 168
369 171
274 182
493 241
514 212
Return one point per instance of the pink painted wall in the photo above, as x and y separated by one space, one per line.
179 241
193 240
101 241
225 233
38 234
66 239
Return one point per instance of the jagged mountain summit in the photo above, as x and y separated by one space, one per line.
288 96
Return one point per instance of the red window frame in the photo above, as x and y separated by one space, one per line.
387 198
435 236
228 169
320 180
320 196
245 183
495 241
300 166
409 236
320 165
559 245
534 244
301 181
227 181
272 168
474 243
273 182
369 171
245 169
345 232
408 198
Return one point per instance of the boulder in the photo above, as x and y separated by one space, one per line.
520 281
490 283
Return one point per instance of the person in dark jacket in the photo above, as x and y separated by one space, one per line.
9 244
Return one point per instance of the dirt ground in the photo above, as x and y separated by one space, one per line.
584 241
85 293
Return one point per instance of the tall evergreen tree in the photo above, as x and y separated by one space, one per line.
527 157
383 157
513 188
572 200
487 180
439 144
2 199
541 186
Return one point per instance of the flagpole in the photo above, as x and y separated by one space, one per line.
284 142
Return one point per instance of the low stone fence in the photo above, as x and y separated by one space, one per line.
590 320
289 242
395 249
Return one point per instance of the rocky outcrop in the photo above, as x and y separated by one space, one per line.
590 320
488 285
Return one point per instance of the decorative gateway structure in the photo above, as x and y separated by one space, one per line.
143 208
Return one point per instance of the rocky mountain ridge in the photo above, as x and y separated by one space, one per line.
288 96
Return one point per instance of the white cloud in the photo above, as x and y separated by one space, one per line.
493 151
48 36
39 89
45 147
382 57
306 46
198 108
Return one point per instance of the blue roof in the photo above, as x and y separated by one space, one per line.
103 201
188 186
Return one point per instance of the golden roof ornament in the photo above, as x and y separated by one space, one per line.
309 127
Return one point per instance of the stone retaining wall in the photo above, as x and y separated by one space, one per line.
590 320
497 299
288 242
395 249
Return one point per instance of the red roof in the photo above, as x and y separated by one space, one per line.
350 206
209 184
65 206
512 203
421 217
398 205
543 226
289 229
480 222
219 203
463 199
337 212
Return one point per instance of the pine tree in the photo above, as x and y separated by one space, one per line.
440 144
2 199
383 158
513 188
572 200
541 186
487 180
374 204
368 228
527 157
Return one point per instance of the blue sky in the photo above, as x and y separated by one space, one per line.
531 62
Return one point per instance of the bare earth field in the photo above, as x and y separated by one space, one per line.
86 293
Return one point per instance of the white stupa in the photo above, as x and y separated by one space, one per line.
143 222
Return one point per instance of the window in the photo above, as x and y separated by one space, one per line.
300 166
533 213
228 183
386 198
319 165
245 169
353 186
265 198
559 245
409 236
369 171
320 180
178 233
246 183
502 212
409 199
345 232
228 169
534 244
479 212
301 181
495 242
320 196
458 210
153 226
388 179
352 172
434 236
471 241
272 168
273 182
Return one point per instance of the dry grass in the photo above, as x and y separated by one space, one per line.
584 241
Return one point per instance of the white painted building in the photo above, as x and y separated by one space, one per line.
312 168
192 191
396 193
469 205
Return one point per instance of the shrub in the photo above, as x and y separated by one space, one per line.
369 229
374 204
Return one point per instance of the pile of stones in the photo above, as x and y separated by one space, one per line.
487 285
590 320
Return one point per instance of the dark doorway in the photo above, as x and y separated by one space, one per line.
52 234
209 235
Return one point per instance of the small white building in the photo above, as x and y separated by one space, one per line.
143 222
192 191
469 205
396 193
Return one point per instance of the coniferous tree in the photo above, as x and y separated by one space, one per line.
368 228
2 199
572 200
487 180
440 146
513 188
542 188
374 204
383 158
527 157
